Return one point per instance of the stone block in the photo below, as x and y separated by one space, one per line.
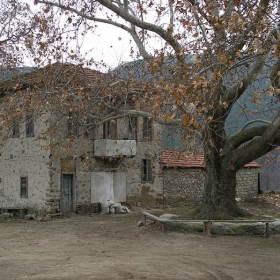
48 218
140 224
28 217
6 215
41 219
49 203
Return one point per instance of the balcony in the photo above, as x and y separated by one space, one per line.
114 148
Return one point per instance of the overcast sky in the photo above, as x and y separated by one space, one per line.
106 45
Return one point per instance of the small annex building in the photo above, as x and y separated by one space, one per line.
184 178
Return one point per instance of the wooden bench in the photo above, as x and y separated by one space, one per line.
22 211
207 223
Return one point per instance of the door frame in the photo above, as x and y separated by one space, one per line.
73 189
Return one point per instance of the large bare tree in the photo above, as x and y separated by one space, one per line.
202 57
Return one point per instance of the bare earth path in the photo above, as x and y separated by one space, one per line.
113 247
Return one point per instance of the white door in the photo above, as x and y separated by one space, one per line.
108 186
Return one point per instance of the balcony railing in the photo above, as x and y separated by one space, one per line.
114 148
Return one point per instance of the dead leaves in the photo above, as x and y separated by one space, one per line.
270 197
187 120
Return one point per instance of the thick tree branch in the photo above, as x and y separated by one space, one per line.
125 113
263 139
171 20
242 137
271 130
255 121
238 90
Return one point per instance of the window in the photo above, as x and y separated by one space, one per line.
72 125
23 187
110 130
146 170
29 125
132 128
15 132
89 128
147 128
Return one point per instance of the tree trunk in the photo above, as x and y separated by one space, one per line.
220 189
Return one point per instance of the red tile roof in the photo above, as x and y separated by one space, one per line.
252 164
182 159
172 158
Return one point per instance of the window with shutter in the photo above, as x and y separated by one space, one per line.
146 170
29 126
23 187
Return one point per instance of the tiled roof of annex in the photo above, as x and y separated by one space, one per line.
171 158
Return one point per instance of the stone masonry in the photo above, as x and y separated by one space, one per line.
184 186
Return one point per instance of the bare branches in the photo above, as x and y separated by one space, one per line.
255 68
138 113
250 27
92 17
145 25
16 24
171 11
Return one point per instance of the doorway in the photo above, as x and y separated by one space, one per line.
108 185
67 192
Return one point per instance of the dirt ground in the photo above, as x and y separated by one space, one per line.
114 247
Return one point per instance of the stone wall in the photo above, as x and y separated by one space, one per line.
185 186
23 156
247 183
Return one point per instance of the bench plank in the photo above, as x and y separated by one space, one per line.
207 223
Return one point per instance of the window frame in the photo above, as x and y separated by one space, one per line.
109 130
29 125
132 128
89 129
146 171
72 125
25 195
15 128
147 128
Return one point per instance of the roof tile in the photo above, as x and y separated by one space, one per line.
171 158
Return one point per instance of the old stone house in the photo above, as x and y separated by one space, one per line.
184 178
45 170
